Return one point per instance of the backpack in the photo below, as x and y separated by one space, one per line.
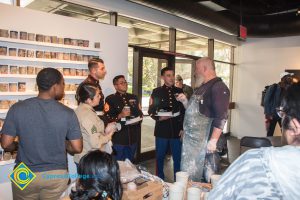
263 94
272 99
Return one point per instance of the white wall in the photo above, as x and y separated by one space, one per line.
114 40
114 51
155 16
260 63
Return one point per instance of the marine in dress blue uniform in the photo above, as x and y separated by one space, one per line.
125 140
167 130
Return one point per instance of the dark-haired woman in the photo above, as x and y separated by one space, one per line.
98 178
268 172
92 127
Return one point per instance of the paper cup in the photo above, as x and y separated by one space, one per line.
214 179
183 185
182 177
204 195
176 192
193 193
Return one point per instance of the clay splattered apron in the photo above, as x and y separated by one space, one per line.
196 132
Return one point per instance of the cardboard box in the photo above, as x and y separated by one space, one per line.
147 191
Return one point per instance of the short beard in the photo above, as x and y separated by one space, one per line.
198 81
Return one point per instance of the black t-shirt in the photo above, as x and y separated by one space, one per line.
215 101
43 126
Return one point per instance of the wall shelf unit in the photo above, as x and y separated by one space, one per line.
42 60
33 76
45 44
29 79
30 93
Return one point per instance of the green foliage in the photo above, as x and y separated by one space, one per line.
149 73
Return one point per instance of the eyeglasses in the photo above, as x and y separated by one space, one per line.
122 83
168 75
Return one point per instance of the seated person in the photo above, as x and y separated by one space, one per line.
270 172
98 178
92 127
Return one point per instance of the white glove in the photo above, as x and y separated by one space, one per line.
108 147
111 127
212 145
182 98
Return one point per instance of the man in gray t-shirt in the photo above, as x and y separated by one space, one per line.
47 130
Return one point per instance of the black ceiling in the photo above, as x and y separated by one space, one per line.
263 18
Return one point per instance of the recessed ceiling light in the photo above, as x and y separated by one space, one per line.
212 5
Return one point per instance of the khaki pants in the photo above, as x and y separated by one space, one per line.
43 188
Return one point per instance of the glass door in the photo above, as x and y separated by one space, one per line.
185 68
151 79
147 64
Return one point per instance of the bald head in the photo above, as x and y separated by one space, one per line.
205 69
207 63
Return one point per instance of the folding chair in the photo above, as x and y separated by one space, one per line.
254 142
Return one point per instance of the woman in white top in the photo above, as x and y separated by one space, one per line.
95 136
269 172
